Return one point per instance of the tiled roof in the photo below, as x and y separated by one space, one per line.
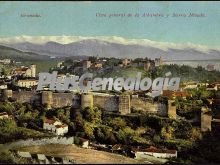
61 126
49 121
3 113
170 93
155 150
21 69
83 140
27 80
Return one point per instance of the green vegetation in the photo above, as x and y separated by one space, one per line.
9 131
26 122
186 73
110 128
42 66
6 158
123 72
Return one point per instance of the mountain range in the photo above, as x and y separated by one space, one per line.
96 47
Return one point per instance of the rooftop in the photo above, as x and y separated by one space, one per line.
61 126
3 113
155 150
49 121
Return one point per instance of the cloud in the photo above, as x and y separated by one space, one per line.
113 39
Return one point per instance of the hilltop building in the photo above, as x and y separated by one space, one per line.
60 64
6 61
126 62
147 65
210 67
86 65
25 71
27 83
158 61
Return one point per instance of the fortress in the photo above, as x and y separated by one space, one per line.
112 103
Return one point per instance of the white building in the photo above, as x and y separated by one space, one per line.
25 71
59 64
126 62
212 87
191 85
5 61
28 83
3 86
3 115
61 129
155 152
55 126
84 143
86 64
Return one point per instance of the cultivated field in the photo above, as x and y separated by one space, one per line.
81 155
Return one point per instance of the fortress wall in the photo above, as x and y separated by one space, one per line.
162 109
109 103
63 99
147 106
86 100
26 96
124 104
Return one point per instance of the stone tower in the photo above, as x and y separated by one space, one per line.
171 109
86 64
86 100
47 98
124 104
147 65
33 70
7 94
206 119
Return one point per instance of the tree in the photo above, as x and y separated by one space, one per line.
117 123
89 131
99 135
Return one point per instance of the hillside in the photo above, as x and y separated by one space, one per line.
7 52
186 73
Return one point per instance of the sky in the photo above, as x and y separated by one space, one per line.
80 19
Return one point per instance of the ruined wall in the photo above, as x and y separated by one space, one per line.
47 98
86 100
162 109
59 100
26 96
111 103
150 107
124 106
107 102
63 99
